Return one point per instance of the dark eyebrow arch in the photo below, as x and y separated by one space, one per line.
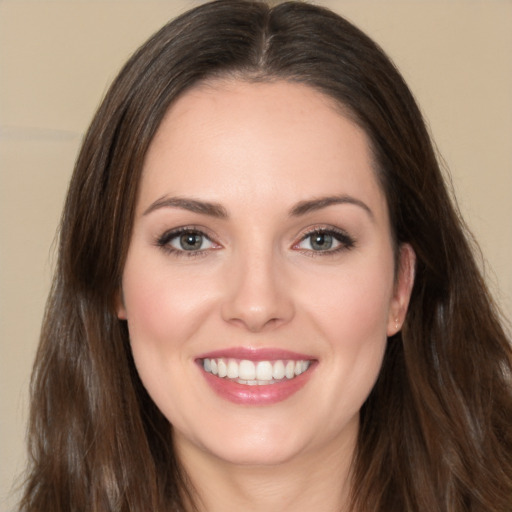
192 205
323 202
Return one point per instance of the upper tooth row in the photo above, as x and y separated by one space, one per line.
249 370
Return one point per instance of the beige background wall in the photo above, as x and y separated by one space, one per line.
57 58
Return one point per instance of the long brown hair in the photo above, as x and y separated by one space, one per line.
436 431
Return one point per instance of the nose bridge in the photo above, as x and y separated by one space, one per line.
257 297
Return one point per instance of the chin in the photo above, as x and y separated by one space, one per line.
256 444
254 453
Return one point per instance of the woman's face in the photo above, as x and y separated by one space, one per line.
259 287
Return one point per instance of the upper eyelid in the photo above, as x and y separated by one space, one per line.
186 229
304 233
164 240
342 236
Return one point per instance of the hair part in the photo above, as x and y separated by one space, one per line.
435 432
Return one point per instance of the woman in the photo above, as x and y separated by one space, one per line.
265 299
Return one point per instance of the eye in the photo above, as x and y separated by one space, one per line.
185 240
325 240
319 242
190 242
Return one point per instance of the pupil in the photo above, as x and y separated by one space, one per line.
190 241
321 241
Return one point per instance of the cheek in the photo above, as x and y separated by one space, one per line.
356 334
164 311
350 310
163 307
353 304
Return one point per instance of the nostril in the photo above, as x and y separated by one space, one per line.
256 298
272 322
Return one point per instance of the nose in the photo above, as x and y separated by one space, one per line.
258 297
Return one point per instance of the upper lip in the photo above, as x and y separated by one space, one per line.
256 354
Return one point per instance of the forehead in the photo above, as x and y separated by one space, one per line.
258 138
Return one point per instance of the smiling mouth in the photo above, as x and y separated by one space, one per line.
255 373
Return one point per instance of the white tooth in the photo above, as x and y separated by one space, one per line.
305 365
232 369
246 370
298 368
278 370
207 365
290 370
214 367
252 382
223 369
240 381
264 370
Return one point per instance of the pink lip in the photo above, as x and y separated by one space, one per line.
267 394
256 354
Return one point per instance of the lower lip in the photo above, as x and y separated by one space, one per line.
266 394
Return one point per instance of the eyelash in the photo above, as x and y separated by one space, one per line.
164 241
345 241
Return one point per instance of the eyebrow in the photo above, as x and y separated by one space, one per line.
218 211
323 202
192 205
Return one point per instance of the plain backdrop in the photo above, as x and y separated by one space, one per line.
58 57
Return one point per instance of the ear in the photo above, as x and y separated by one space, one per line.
120 308
403 288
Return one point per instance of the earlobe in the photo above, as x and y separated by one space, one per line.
403 288
120 308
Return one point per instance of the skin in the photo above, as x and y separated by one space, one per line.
257 150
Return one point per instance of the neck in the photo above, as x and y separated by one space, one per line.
316 480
